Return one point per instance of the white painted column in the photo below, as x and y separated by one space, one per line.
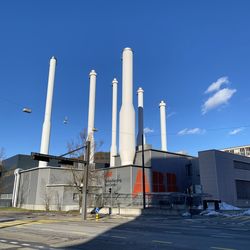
16 187
113 149
140 117
127 112
162 106
47 117
91 116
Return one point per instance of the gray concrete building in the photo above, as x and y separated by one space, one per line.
7 175
225 176
55 187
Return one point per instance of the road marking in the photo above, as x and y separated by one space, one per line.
172 232
118 237
197 226
161 241
25 244
39 246
14 223
13 242
239 229
62 231
3 240
222 248
221 236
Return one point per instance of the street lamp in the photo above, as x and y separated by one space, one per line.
27 110
143 173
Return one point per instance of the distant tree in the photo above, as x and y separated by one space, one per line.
2 156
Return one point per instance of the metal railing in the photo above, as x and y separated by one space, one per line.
5 196
153 200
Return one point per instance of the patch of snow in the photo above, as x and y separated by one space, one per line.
225 206
210 206
214 213
211 213
246 212
186 214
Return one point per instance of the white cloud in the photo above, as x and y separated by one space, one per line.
182 152
215 86
148 130
219 98
192 131
171 114
236 131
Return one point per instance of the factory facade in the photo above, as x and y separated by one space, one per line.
218 175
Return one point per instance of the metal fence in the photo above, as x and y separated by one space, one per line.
5 196
154 200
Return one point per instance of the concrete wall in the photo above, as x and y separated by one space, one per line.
125 180
28 188
48 187
165 162
18 161
10 164
158 161
208 173
218 175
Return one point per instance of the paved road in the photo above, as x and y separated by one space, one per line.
146 232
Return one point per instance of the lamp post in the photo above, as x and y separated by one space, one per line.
143 173
88 160
85 189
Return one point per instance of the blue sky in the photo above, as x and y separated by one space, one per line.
181 48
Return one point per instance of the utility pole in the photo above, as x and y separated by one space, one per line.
143 173
85 189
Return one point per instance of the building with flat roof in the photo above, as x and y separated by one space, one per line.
239 150
225 176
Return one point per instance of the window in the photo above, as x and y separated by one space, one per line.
158 182
75 197
241 165
189 170
171 182
242 151
243 190
248 151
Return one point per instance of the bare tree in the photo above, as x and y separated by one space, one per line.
77 150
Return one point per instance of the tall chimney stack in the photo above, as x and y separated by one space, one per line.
113 149
44 149
91 116
140 118
127 112
162 106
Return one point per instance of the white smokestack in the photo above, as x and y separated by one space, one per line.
113 149
91 117
162 106
140 118
47 117
127 112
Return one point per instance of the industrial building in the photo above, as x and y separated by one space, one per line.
225 176
221 175
215 174
240 150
